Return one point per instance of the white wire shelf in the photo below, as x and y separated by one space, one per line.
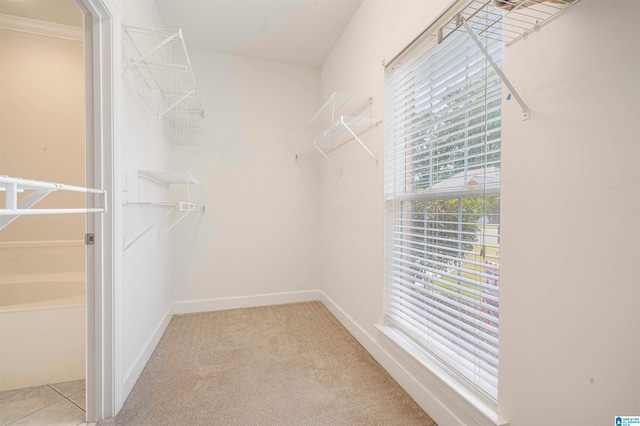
182 206
13 209
506 20
503 21
338 121
164 80
165 178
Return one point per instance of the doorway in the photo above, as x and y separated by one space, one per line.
43 278
98 159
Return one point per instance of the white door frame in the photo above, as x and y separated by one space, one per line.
100 19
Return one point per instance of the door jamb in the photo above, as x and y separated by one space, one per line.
100 17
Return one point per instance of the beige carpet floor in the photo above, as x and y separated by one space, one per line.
278 365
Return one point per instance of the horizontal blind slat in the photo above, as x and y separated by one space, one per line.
442 184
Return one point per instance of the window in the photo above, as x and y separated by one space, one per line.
442 192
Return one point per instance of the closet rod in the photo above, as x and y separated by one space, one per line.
36 184
13 208
33 212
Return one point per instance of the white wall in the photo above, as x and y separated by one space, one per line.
259 232
352 203
42 127
570 299
570 302
42 138
143 288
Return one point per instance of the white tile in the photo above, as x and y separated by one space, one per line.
24 403
62 413
69 388
79 399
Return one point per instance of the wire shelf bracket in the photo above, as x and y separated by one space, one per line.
165 178
339 121
526 112
507 21
13 208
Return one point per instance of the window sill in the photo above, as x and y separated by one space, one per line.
463 399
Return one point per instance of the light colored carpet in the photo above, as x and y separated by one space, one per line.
277 365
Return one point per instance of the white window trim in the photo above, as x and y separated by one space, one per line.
465 404
477 407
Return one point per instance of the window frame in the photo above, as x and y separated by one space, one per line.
396 193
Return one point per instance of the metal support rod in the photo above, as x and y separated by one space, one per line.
188 191
150 52
185 96
327 158
358 139
179 206
304 151
10 214
177 221
526 112
11 196
147 229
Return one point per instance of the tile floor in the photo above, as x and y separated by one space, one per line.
61 404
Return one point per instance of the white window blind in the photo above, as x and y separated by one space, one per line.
442 191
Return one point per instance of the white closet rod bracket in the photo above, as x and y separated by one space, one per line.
526 112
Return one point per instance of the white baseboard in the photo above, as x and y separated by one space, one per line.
133 373
438 403
224 303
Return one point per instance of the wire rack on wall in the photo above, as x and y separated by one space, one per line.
507 20
340 120
37 190
164 80
166 178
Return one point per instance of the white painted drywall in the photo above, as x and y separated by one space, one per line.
42 346
570 300
259 232
352 203
143 290
42 129
42 137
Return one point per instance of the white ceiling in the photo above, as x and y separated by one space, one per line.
295 31
58 11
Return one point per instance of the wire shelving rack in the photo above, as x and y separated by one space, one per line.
160 64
